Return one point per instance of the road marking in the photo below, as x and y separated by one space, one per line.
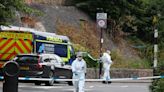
91 86
21 90
46 87
41 87
124 86
74 89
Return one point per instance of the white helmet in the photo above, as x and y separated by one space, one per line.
108 51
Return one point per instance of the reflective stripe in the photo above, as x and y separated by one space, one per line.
6 43
18 48
10 47
10 56
24 45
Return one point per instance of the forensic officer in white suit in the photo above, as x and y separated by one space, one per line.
79 71
107 61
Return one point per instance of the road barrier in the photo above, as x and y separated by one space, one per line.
89 80
11 72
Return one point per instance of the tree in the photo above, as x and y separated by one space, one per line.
8 9
124 15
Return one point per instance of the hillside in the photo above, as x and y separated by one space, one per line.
83 32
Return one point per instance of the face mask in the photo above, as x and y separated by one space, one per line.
79 58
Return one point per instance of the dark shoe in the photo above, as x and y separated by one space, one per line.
104 82
109 82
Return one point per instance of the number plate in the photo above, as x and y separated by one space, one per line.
24 68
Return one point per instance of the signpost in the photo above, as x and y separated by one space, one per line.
102 20
102 24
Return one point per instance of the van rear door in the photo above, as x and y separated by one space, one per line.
13 43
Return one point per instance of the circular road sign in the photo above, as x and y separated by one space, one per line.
101 23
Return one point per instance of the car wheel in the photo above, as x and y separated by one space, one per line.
51 82
70 83
38 83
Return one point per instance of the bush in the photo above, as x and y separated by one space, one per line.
122 62
158 84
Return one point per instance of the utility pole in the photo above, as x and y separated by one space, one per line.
102 24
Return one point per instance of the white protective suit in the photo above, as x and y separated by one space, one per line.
106 60
79 70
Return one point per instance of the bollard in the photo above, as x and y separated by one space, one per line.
11 71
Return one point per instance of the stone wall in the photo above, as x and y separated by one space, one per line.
121 73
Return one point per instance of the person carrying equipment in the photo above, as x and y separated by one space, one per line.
106 60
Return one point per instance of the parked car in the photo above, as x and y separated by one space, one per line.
43 66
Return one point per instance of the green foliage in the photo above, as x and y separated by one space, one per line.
9 8
157 86
91 62
158 6
78 47
133 16
160 69
117 10
121 62
145 50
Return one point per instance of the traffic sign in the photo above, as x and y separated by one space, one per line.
102 20
102 23
101 16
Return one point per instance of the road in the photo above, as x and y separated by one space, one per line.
90 87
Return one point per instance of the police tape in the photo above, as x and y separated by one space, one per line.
89 80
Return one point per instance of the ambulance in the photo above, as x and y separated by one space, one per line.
20 40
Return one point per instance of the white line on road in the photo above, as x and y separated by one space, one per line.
41 87
74 89
91 86
124 86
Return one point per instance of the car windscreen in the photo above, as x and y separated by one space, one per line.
27 59
61 50
52 48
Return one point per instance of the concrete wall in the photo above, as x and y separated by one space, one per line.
121 73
